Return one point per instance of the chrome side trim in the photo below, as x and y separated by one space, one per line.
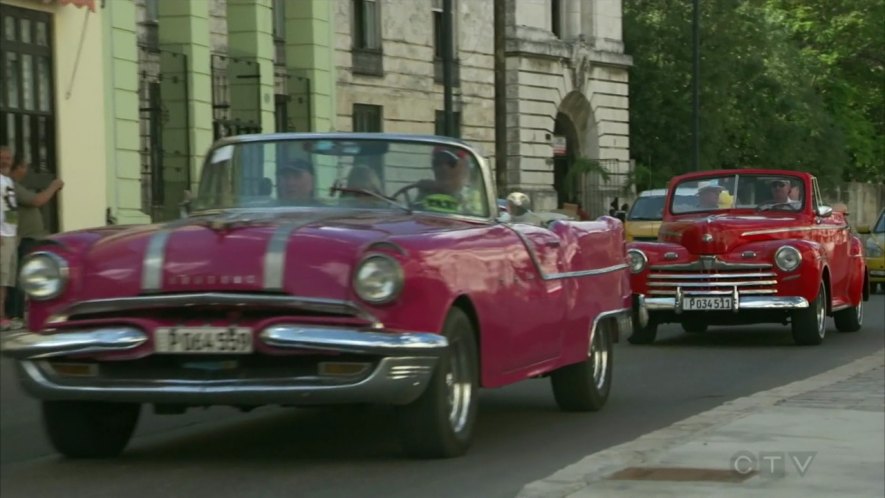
33 346
785 230
215 299
154 257
744 303
396 381
622 314
275 255
584 273
353 341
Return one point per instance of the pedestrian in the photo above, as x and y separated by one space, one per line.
8 242
30 227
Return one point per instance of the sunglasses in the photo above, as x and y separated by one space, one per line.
778 184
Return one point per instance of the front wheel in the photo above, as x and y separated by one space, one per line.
439 424
89 429
585 386
810 324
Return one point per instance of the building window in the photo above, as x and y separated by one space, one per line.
556 17
366 55
366 25
279 32
440 124
367 118
439 43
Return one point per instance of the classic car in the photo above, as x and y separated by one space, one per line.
322 269
774 253
875 251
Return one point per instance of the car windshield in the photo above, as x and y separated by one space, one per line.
761 192
880 225
651 207
359 174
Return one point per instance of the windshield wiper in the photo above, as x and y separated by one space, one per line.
373 194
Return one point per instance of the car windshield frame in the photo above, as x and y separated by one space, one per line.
272 172
879 227
745 192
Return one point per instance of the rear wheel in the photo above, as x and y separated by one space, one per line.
89 429
585 386
810 324
694 327
644 335
849 319
439 424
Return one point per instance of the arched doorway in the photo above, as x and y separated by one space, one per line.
563 162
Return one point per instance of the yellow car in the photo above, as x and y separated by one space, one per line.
875 252
644 218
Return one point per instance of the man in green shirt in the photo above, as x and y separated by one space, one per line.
30 224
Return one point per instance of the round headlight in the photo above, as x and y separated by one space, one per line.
637 260
787 258
43 275
378 279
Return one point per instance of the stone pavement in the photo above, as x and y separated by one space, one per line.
819 437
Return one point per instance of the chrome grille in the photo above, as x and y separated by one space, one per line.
712 276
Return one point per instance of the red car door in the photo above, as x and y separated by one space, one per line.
833 234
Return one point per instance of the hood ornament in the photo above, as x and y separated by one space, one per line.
708 237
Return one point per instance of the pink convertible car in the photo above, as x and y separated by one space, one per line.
318 269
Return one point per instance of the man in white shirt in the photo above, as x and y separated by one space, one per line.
8 233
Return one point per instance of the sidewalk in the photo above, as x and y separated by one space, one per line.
820 437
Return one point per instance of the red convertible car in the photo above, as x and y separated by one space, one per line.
317 269
753 246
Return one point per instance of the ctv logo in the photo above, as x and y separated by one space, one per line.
773 463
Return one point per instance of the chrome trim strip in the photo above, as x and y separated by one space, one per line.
154 257
319 305
710 276
616 313
396 381
713 284
585 273
744 303
275 255
354 341
714 264
100 340
785 230
745 292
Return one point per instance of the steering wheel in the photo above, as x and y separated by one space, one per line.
404 192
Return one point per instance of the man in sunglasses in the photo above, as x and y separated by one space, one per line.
784 195
449 192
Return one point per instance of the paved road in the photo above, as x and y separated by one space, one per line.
522 436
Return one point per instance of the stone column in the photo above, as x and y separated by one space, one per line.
573 17
122 114
184 28
250 35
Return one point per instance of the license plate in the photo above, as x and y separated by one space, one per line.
205 340
706 303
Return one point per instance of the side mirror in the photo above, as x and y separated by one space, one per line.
184 206
864 229
824 211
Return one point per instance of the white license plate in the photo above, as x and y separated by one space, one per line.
205 340
706 303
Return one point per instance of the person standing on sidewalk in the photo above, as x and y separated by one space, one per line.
30 227
8 235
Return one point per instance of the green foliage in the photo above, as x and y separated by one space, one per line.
793 84
576 172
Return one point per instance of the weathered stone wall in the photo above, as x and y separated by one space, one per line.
864 200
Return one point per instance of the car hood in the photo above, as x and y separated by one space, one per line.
723 233
304 253
647 229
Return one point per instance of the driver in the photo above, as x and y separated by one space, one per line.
784 192
295 183
708 196
449 192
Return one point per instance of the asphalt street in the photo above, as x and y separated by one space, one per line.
521 436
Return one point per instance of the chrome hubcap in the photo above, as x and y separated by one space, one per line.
599 358
860 312
821 314
459 387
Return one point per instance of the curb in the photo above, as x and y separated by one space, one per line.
578 476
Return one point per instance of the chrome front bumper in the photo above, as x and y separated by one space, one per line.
404 366
740 303
877 273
